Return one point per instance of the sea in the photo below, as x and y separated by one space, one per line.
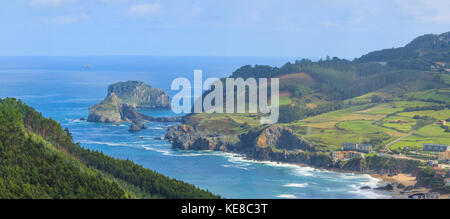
63 88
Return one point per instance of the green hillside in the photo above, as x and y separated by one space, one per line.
375 99
40 160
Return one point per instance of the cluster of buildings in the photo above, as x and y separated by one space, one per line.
346 155
436 147
442 122
439 172
439 66
351 151
364 148
443 151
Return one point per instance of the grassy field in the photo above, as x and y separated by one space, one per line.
432 134
441 115
367 122
397 123
285 101
375 123
433 94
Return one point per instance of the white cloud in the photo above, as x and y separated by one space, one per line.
68 19
151 9
47 3
428 11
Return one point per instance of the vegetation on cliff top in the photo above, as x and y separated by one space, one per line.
40 160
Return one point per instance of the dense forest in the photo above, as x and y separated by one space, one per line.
40 160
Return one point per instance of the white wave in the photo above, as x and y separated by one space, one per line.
287 196
235 166
369 193
77 100
155 128
35 96
120 144
297 185
164 152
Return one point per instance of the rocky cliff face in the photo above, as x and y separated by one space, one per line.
276 143
140 95
112 110
280 137
108 111
185 137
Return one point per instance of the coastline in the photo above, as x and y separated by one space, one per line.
406 180
381 181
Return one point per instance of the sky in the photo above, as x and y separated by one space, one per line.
288 28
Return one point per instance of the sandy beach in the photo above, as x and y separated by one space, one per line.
406 180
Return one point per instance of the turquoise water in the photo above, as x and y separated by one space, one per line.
61 88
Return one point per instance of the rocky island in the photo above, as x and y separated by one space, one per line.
123 100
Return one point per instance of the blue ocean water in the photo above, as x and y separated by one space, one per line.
63 89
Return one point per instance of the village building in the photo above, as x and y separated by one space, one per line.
346 155
444 156
350 146
436 147
433 163
439 172
365 148
437 66
442 122
440 64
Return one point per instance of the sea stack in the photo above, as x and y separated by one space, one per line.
122 100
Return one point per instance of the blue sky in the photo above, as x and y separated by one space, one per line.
343 28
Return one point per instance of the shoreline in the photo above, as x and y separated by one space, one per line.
406 180
382 180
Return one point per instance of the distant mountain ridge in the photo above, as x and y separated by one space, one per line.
426 48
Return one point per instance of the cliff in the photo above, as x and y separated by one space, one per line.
140 95
122 101
275 143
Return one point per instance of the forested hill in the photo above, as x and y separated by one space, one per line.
38 159
335 79
420 53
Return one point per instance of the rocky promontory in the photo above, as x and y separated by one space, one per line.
276 142
122 102
108 111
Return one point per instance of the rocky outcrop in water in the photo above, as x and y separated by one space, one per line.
116 109
112 110
137 126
